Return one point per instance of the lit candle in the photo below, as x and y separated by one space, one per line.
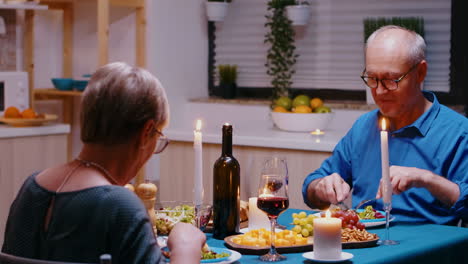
257 218
386 188
318 132
198 180
327 237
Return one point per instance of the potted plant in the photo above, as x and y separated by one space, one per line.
216 10
298 13
281 55
227 80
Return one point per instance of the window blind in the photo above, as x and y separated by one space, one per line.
331 46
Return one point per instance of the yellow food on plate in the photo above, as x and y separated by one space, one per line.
261 238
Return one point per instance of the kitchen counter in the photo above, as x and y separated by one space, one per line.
253 127
7 131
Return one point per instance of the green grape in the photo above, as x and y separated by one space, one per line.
302 214
294 215
303 222
297 221
297 229
309 227
305 232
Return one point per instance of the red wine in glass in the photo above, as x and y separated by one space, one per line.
273 206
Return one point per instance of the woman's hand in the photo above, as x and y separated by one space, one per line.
185 242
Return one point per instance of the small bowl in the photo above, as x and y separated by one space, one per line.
63 84
170 213
297 122
80 85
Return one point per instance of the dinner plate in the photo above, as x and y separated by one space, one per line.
26 122
344 256
234 255
253 250
370 222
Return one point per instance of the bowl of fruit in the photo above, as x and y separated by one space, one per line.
168 214
301 114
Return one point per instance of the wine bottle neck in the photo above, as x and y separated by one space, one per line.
227 140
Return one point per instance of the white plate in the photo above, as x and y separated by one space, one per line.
344 256
378 223
235 256
373 223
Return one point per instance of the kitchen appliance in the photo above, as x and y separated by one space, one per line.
14 90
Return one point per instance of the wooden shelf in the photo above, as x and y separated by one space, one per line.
40 92
24 6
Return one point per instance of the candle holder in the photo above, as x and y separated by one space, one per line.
318 134
387 241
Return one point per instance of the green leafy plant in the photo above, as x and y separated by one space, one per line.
281 56
413 23
227 73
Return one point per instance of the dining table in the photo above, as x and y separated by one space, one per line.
418 243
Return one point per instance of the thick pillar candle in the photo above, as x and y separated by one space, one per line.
198 173
257 218
386 187
327 237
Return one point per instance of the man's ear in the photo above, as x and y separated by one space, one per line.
422 71
146 133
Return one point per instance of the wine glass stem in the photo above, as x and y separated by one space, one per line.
273 236
387 222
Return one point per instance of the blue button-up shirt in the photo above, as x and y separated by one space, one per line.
437 141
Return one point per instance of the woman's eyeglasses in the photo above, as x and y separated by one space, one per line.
162 143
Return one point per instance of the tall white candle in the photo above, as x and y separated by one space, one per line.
327 237
386 187
198 174
257 218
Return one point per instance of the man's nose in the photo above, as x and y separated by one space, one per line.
380 89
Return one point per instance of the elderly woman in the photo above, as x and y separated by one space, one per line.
79 210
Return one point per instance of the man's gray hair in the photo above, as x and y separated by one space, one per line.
416 44
118 101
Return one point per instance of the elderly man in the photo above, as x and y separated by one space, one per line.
428 142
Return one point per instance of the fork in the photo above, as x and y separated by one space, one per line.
364 202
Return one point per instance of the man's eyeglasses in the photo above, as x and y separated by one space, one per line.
389 84
162 143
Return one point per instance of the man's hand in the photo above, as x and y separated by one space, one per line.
405 178
329 189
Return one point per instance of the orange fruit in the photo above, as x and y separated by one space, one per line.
280 109
28 113
316 102
302 109
12 112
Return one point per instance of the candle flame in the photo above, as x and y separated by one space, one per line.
317 131
198 125
327 214
383 124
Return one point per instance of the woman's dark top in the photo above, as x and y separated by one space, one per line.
84 225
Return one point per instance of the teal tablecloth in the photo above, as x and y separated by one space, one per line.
422 243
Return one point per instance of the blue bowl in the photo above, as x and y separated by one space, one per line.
63 84
80 85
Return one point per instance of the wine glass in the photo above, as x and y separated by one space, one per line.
273 198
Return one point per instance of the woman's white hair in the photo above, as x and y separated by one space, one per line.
415 43
118 101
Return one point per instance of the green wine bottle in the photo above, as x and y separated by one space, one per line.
226 190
